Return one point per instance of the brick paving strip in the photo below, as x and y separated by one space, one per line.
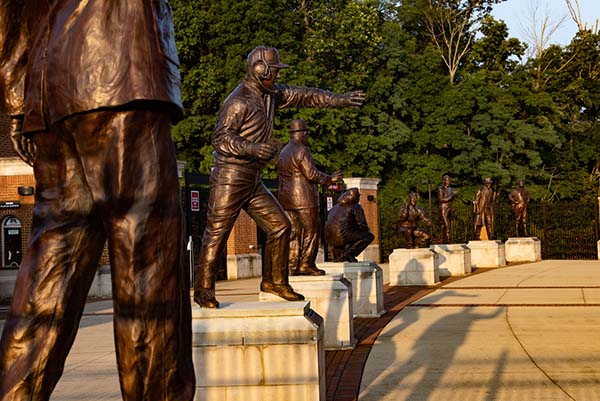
344 369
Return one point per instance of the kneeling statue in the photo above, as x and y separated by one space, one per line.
346 229
410 215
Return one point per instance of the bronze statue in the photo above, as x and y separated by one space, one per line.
298 193
483 208
242 140
410 215
446 196
519 198
93 88
346 229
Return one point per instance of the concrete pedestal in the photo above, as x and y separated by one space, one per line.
244 266
454 259
367 285
258 351
418 266
487 253
331 297
523 249
370 254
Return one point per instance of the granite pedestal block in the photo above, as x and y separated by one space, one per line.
523 249
367 285
258 351
331 297
454 259
487 253
419 266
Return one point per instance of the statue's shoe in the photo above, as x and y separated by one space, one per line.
205 297
284 291
311 271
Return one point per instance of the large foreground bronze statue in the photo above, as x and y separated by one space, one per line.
483 209
242 140
298 193
519 198
92 88
346 229
446 196
410 216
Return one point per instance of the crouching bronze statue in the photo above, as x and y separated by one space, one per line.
346 229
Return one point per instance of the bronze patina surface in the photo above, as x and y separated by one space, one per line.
346 229
446 196
298 193
243 144
93 87
483 210
410 216
519 198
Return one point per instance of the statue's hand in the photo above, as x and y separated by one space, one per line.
337 176
21 143
263 151
353 99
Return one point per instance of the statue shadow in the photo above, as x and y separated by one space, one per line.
432 354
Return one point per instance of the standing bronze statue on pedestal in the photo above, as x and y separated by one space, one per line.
92 88
346 229
243 144
298 193
483 209
519 198
446 196
410 215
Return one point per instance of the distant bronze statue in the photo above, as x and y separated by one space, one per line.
446 196
242 140
298 193
410 216
483 209
92 88
519 198
346 229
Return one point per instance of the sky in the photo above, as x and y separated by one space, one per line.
516 14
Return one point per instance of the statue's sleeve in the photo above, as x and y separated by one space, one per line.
14 51
226 137
308 169
300 96
361 220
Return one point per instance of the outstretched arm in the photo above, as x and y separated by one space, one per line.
308 169
300 96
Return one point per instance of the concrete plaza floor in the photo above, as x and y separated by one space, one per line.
524 332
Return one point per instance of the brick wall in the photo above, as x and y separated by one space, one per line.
371 211
6 149
243 238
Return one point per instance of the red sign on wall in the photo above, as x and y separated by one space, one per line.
195 201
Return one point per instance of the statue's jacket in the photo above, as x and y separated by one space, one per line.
298 177
72 50
248 115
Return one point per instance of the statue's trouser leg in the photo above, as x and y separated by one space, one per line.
230 188
105 174
358 242
271 218
422 237
478 232
295 240
406 233
309 240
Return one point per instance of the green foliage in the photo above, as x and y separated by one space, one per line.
501 116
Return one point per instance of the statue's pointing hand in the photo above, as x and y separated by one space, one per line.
354 99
